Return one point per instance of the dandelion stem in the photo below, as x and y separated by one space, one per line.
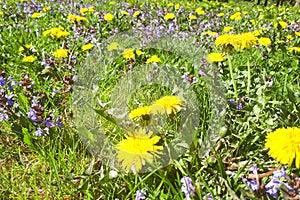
232 76
249 78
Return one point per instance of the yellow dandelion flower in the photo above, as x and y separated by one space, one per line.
140 112
112 3
139 52
124 13
260 10
170 4
297 33
153 58
21 49
261 16
138 147
74 18
227 29
279 42
36 15
56 32
170 104
226 40
128 53
87 47
29 59
296 49
215 57
289 37
136 13
177 6
1 13
254 22
284 145
112 46
210 33
221 14
191 17
29 46
283 24
169 16
236 16
60 53
257 32
108 17
246 40
264 41
199 11
245 12
46 8
83 10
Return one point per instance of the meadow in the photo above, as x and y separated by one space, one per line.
149 100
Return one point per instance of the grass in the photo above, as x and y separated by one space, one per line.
219 141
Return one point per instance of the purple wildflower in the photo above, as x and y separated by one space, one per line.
2 81
32 115
3 116
38 132
58 123
140 194
48 122
9 101
187 188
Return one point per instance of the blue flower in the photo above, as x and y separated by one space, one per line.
2 81
58 123
32 115
48 122
3 116
187 187
39 132
140 194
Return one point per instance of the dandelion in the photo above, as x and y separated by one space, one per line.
170 4
296 49
139 52
124 13
140 112
138 147
169 104
246 40
289 37
215 57
29 59
112 46
1 13
220 14
46 8
236 16
108 17
21 49
169 16
191 17
261 16
177 6
29 46
297 33
74 18
199 11
154 58
227 29
136 13
36 15
128 53
264 41
284 145
56 32
87 47
60 53
283 24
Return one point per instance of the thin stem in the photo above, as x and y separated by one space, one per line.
249 78
232 77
